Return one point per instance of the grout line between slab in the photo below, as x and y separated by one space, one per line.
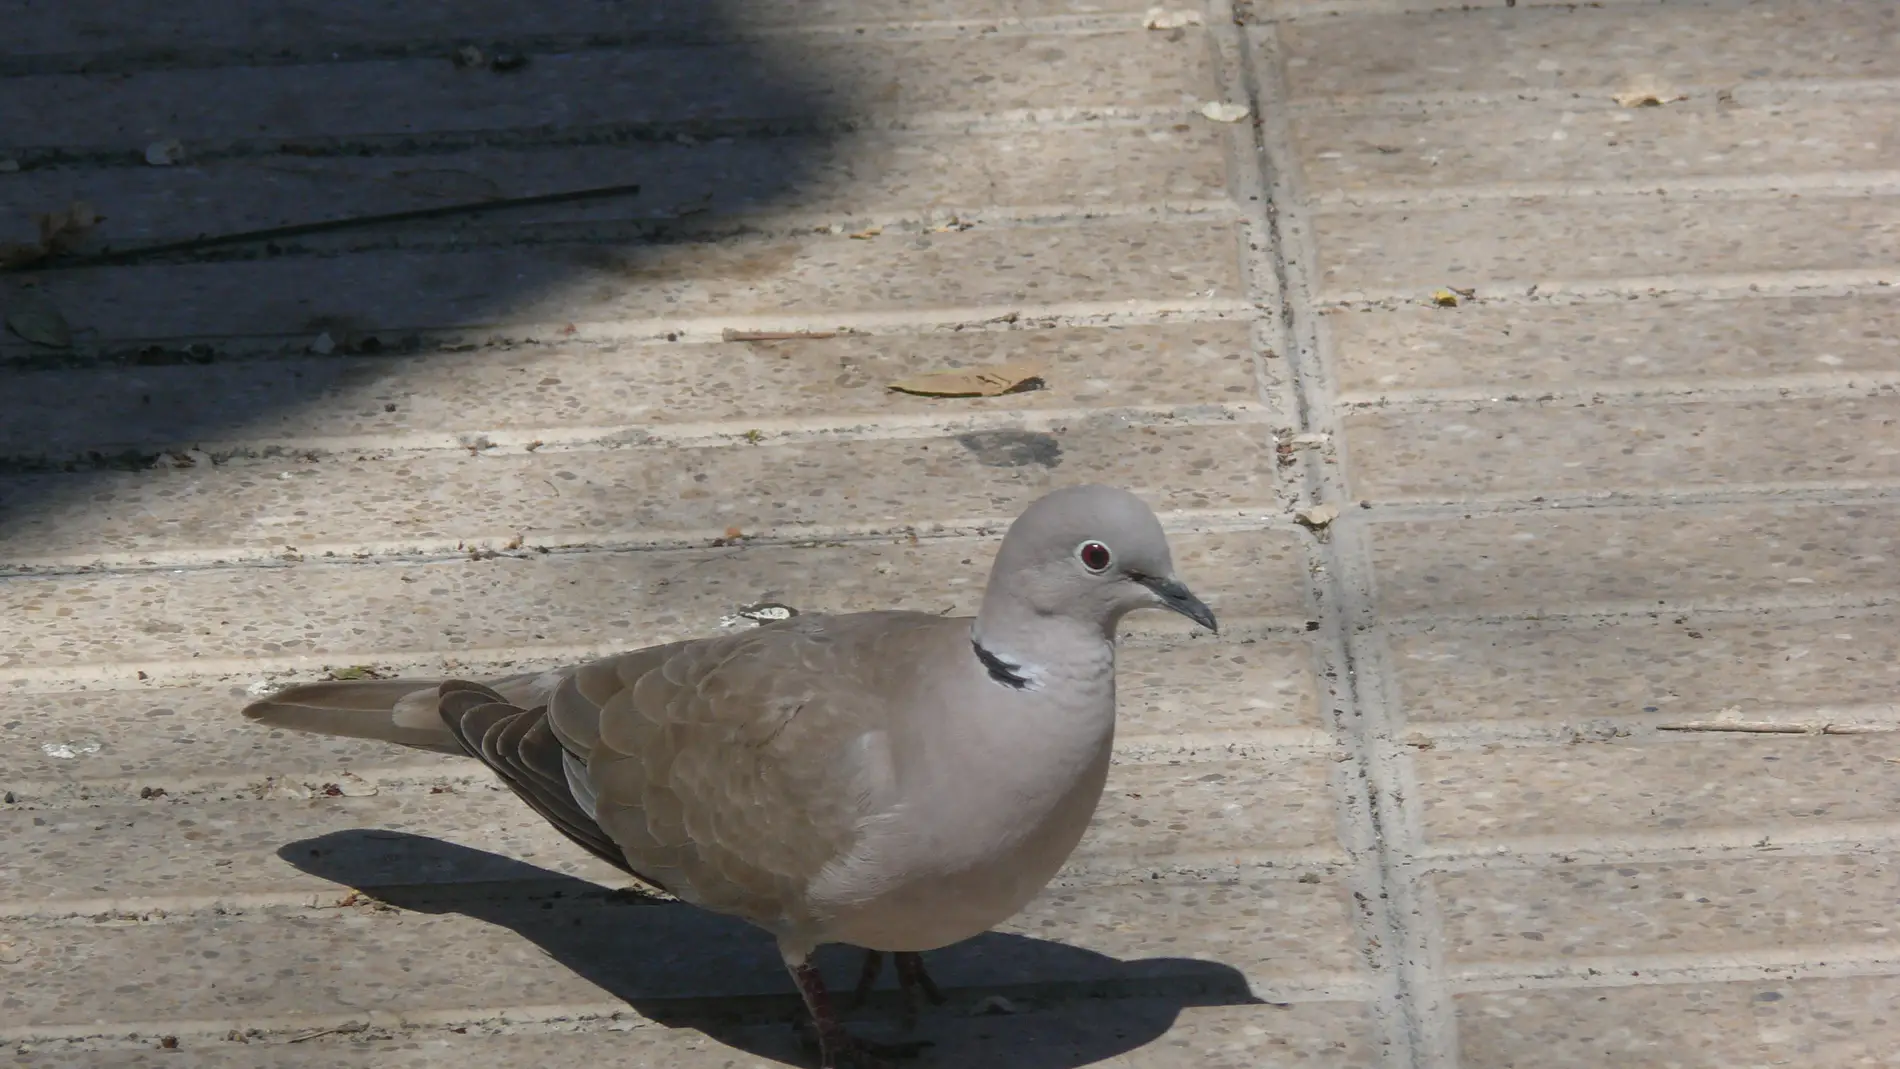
1749 285
423 47
1692 189
1368 784
1747 94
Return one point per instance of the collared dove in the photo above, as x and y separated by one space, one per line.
897 781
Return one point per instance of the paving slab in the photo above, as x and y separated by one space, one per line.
571 395
1154 1033
1178 697
396 100
1429 148
1507 246
1568 740
1670 345
393 293
511 604
882 179
1603 794
1733 906
1667 667
445 501
137 857
1570 449
1586 51
1714 555
1822 1021
469 959
153 30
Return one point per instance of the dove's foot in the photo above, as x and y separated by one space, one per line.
837 1048
840 1049
911 977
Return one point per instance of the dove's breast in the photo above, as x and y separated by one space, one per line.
1002 813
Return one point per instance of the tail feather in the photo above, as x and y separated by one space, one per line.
401 711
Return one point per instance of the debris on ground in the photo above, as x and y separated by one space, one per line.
729 334
165 153
1160 18
994 1006
990 380
357 671
1647 91
60 231
1221 111
41 324
1318 516
764 612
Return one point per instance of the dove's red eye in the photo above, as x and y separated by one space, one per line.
1095 556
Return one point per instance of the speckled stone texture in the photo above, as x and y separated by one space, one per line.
1567 740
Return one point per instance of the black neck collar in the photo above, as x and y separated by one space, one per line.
1009 675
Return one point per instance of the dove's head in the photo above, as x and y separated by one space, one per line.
1091 554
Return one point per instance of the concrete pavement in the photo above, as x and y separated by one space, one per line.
1566 740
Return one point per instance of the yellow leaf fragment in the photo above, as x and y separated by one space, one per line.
1646 91
989 380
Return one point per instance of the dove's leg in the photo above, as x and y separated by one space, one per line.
910 978
837 1048
867 977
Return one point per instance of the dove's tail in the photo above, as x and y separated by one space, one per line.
389 710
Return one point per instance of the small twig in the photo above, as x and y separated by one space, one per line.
730 334
330 225
1764 728
346 1027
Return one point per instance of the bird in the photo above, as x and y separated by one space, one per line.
892 780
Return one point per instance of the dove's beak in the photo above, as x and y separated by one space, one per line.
1175 595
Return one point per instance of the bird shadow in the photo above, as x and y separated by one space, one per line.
1025 1003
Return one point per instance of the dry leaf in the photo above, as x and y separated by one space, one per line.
1160 18
1444 298
986 381
165 153
1220 111
41 324
16 254
1318 516
61 230
356 671
1647 92
868 233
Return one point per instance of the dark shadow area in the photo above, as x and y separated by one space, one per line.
685 967
467 164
